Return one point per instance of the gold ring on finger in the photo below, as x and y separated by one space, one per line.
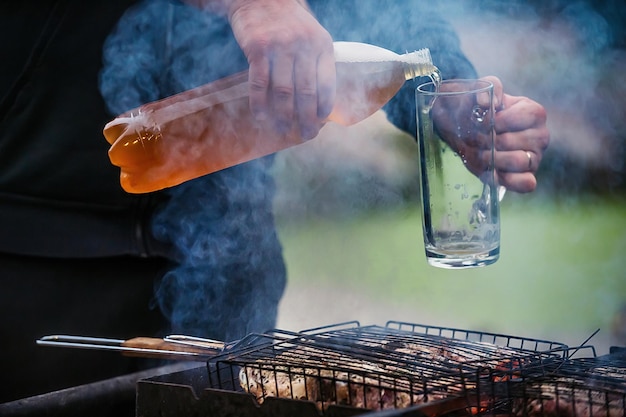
530 160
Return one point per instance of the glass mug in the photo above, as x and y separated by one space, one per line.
459 192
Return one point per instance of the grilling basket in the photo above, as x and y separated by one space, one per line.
400 369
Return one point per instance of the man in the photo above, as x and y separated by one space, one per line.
79 256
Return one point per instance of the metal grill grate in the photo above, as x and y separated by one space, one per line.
515 342
580 387
372 367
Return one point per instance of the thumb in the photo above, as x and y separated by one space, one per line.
498 91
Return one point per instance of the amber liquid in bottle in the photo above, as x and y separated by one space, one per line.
209 128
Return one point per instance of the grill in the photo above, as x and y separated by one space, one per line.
399 369
587 386
348 369
364 367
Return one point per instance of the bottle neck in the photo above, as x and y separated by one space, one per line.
420 64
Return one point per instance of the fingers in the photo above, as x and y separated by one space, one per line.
259 82
518 182
517 161
314 82
326 79
520 131
519 113
308 96
535 139
498 91
516 169
294 89
292 67
282 91
521 139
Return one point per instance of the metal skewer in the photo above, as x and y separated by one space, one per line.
167 348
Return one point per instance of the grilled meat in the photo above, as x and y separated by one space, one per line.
567 397
378 375
326 387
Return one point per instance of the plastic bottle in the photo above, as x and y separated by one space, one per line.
209 128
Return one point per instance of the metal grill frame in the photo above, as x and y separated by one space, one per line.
503 390
421 380
585 386
498 339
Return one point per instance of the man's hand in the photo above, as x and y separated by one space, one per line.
521 136
292 64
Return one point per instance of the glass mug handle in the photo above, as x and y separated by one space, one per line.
501 192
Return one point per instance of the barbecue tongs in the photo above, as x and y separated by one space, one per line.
178 347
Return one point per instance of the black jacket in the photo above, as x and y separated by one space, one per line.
59 194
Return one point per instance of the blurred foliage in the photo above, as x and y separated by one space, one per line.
560 274
347 202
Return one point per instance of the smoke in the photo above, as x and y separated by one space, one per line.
566 55
230 273
593 100
570 57
160 48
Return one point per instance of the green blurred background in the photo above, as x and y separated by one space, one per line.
351 228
